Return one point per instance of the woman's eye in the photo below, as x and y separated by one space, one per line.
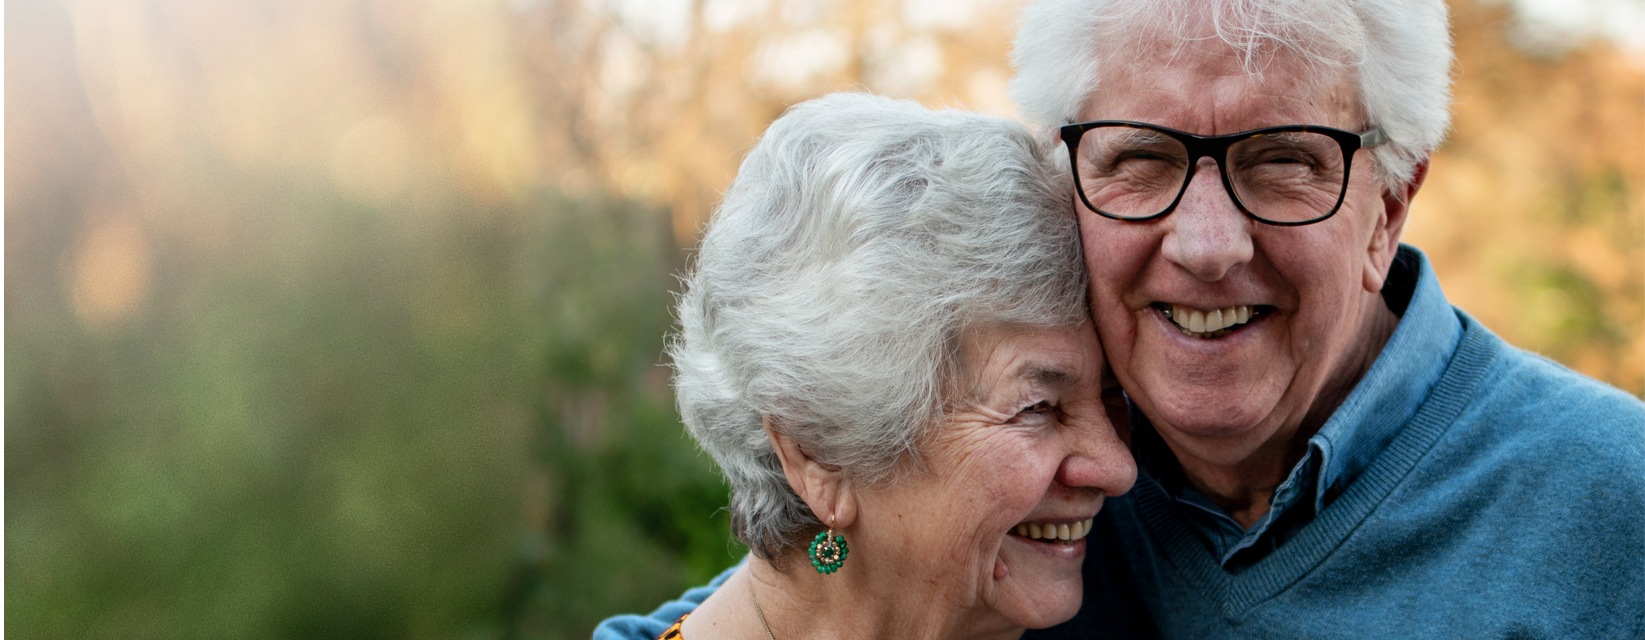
1042 407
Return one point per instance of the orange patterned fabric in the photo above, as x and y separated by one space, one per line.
673 632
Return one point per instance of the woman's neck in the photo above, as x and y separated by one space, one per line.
856 602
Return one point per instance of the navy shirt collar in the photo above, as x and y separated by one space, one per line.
1397 384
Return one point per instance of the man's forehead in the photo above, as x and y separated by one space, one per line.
1209 86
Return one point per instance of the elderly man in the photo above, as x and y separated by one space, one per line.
1327 447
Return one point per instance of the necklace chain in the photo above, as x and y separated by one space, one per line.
761 613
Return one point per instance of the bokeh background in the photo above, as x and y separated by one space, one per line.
343 318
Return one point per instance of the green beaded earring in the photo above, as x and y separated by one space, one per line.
828 551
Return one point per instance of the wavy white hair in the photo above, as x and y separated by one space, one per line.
861 237
1399 50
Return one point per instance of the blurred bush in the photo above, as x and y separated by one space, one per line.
361 428
626 510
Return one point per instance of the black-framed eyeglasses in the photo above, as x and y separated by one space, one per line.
1287 176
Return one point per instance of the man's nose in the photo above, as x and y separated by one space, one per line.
1207 235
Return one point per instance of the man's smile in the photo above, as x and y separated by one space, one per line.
1214 323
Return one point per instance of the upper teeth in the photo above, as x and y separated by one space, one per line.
1196 321
1063 531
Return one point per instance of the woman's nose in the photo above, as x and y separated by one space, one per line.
1098 460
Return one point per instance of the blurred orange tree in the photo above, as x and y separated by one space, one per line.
345 318
1534 210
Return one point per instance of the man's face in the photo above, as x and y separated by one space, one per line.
1310 290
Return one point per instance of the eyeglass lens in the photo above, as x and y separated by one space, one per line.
1291 176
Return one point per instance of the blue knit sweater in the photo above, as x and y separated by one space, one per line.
1465 489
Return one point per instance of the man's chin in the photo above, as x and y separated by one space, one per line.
1220 423
1211 428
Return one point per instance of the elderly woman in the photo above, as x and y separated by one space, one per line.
885 346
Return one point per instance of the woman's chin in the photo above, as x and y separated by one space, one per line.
1043 613
1041 585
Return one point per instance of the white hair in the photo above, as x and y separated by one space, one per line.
1399 50
861 236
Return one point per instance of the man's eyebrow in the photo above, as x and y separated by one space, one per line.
1143 136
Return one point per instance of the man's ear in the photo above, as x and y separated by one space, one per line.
823 487
1396 208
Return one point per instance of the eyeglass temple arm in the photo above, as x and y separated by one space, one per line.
1372 137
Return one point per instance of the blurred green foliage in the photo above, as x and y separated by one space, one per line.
359 427
635 513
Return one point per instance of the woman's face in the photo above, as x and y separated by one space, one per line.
1027 449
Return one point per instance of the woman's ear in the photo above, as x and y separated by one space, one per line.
823 487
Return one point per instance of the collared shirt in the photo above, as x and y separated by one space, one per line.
1356 432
